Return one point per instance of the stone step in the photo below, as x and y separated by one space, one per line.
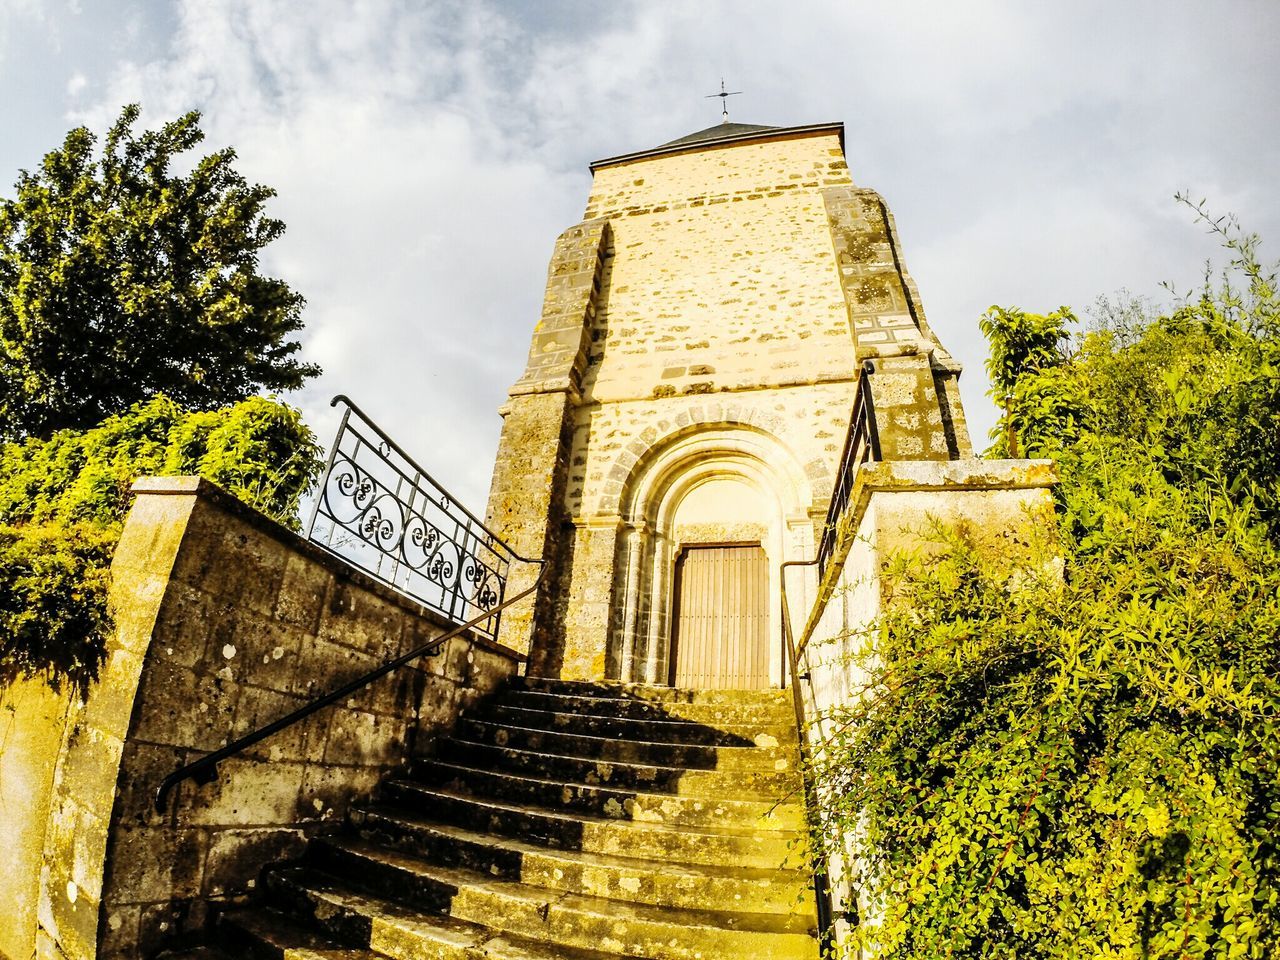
608 801
565 920
202 952
649 730
659 883
680 781
692 756
621 838
715 715
267 934
388 929
616 690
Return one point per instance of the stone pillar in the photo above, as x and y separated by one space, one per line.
526 499
913 379
658 648
630 600
583 615
524 508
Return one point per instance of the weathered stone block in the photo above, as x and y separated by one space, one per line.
177 705
328 790
150 864
359 738
303 588
247 793
89 752
257 707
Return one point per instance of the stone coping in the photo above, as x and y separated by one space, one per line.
918 476
207 489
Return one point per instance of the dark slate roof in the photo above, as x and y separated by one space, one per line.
722 133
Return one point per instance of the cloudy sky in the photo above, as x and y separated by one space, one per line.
426 154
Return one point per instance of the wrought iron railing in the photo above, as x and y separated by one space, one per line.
861 446
380 511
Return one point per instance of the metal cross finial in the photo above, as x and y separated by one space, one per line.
724 96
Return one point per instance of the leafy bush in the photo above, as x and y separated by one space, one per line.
63 502
1088 764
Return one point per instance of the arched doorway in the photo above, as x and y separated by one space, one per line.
707 517
720 616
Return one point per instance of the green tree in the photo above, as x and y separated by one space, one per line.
121 279
1081 757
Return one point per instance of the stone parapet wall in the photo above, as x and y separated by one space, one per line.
895 508
226 621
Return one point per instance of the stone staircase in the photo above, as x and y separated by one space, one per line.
563 820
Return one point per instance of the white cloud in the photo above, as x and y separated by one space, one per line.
418 224
19 14
428 154
76 83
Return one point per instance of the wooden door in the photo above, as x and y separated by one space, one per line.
721 622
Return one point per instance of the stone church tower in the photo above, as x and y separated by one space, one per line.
675 434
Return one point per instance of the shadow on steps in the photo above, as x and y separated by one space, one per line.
564 820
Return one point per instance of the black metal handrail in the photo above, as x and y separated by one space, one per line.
792 678
380 511
862 445
205 769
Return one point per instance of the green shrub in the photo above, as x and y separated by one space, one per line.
63 502
1082 759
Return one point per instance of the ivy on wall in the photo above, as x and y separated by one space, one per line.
63 502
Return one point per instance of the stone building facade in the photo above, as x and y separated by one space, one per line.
689 389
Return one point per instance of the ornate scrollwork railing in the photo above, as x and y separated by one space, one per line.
381 512
861 445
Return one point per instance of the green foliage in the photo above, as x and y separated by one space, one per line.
63 501
1078 754
121 279
53 612
1021 344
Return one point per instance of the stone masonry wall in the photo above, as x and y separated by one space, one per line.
227 621
722 276
34 718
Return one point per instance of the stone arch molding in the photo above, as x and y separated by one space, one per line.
695 454
633 460
661 477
